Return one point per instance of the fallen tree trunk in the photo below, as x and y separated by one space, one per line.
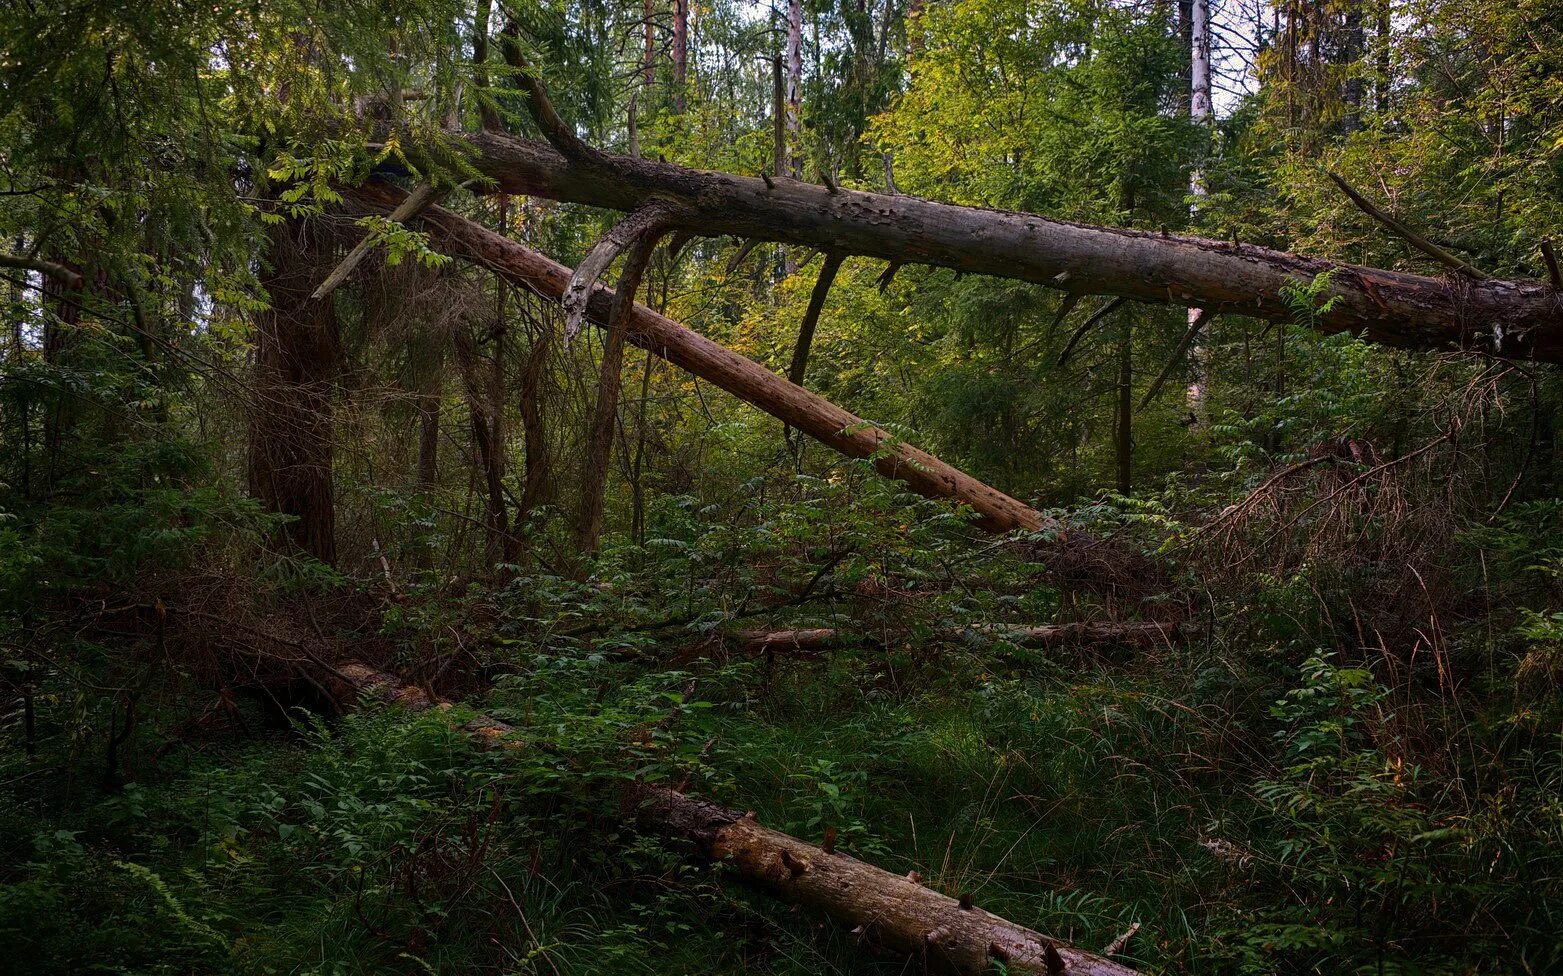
1505 317
1138 633
809 642
892 911
799 643
899 913
744 378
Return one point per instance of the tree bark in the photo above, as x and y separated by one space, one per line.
1506 317
800 351
487 112
63 296
1381 73
1124 439
483 411
648 63
297 358
781 165
1200 112
599 441
680 52
896 912
1352 50
538 486
745 379
794 86
1185 27
428 439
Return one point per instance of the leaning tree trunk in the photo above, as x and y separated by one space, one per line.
297 356
1507 317
744 378
894 911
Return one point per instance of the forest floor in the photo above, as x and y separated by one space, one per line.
1254 808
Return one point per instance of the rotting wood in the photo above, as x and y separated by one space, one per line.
890 910
651 222
749 381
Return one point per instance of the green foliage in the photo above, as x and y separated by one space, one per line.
1356 770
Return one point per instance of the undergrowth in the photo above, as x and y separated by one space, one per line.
1272 797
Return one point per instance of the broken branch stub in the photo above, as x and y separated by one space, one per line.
651 220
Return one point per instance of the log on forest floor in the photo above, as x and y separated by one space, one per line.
932 930
806 642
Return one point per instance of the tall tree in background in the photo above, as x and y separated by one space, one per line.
1200 111
680 54
795 85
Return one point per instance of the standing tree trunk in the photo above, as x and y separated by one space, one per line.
638 459
482 412
1381 78
1200 113
1352 58
62 305
648 64
599 442
680 53
428 439
487 112
781 120
1185 27
1124 441
538 482
782 164
795 85
297 362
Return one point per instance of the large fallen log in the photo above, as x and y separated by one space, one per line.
889 910
811 641
1505 317
744 378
